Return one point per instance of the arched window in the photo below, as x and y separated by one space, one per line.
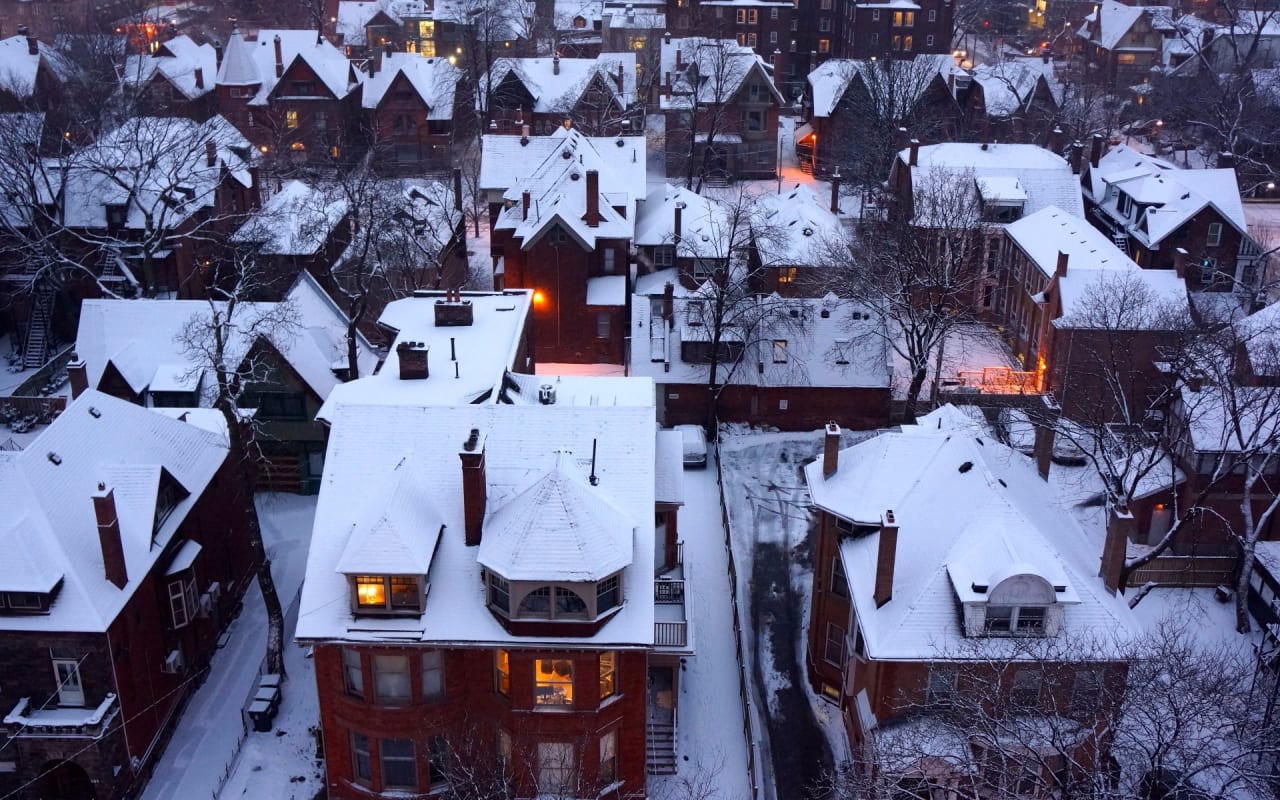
569 603
536 603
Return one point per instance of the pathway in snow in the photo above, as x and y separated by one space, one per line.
205 742
711 744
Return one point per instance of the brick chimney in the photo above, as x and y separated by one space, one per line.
279 57
777 68
888 551
1055 139
1076 151
1060 269
104 508
210 153
524 205
679 224
78 376
835 191
475 487
1120 526
413 361
555 64
199 76
33 46
831 450
1180 262
1095 152
679 60
457 189
453 312
913 153
668 301
1043 448
593 198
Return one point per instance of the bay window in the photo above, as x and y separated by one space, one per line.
553 682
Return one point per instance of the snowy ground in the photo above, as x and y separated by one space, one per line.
711 743
598 370
209 744
968 347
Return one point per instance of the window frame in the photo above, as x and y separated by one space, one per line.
71 687
502 671
431 670
1213 236
357 751
353 672
838 581
382 672
835 638
399 760
563 761
608 773
779 351
559 688
608 674
182 598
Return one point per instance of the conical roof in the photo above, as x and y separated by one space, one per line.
238 68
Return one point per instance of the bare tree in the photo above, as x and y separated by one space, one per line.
699 108
222 343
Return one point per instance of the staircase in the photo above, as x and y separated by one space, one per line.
35 350
660 748
717 179
1121 240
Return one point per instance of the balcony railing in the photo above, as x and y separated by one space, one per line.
23 720
671 601
670 634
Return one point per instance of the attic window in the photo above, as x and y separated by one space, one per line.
388 594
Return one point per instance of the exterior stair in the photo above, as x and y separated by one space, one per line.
660 748
35 350
716 179
1121 240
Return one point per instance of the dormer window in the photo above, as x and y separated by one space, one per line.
388 594
1021 604
1027 620
524 600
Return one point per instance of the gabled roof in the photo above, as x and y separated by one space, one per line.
795 229
711 71
1044 176
19 68
1113 20
140 338
558 92
353 16
176 61
47 489
397 529
435 80
1009 86
297 221
246 63
1176 195
704 227
558 529
967 507
368 443
833 77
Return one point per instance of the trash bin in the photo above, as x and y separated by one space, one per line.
260 714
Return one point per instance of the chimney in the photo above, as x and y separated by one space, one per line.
1120 526
668 301
555 64
1055 140
1076 153
524 135
593 198
813 60
1060 269
835 191
78 375
475 487
1180 262
413 361
524 205
210 153
901 138
457 189
1226 160
279 57
621 80
454 312
679 59
1195 382
913 156
104 508
831 450
777 68
885 556
679 225
217 55
1095 152
1043 450
33 46
199 76
666 37
666 85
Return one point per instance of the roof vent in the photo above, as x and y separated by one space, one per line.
573 176
94 412
566 154
965 467
54 458
807 231
547 394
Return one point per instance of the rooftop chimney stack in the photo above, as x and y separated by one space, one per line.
835 191
475 487
555 63
831 450
679 225
1076 154
210 153
1095 152
777 68
1180 262
199 76
279 56
913 154
413 361
104 508
668 301
885 556
593 198
524 205
1120 526
33 46
78 376
1060 269
1055 139
1043 448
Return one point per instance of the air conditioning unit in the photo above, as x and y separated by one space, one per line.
206 605
173 663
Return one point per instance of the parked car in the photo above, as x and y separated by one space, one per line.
695 446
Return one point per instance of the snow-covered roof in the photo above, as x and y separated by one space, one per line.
669 475
140 338
1045 233
296 221
704 228
1174 195
899 83
527 449
353 16
176 61
466 363
710 71
577 390
557 84
557 185
969 511
435 80
795 228
19 68
1112 21
1231 419
1009 86
1045 176
49 525
395 530
836 350
253 63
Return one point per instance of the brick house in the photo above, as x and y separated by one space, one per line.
788 363
1014 100
888 29
1153 210
125 557
293 95
177 79
721 108
1056 273
593 95
549 680
562 214
934 547
31 74
413 106
795 237
127 348
681 236
1122 43
364 28
298 229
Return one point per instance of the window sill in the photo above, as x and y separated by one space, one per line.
608 701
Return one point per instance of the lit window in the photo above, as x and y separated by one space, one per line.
608 674
426 29
391 678
371 591
291 119
553 682
390 593
399 766
824 45
502 671
907 43
433 675
354 671
786 275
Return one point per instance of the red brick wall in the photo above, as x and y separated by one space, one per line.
807 407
